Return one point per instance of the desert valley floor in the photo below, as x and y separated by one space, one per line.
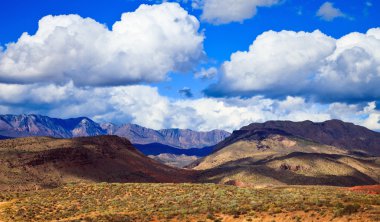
191 202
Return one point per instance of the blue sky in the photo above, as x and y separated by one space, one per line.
234 83
21 16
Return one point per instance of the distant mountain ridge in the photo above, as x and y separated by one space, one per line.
38 125
177 138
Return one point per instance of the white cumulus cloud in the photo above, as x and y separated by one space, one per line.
305 64
226 11
142 47
145 106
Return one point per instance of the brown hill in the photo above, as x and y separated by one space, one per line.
333 132
31 163
270 156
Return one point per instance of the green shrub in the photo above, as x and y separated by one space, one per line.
346 209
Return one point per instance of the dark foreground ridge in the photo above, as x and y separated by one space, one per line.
41 162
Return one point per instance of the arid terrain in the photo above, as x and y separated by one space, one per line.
189 111
260 174
189 202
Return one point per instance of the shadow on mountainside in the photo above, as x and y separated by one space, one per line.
288 172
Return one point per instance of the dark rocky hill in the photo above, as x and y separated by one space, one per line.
333 132
42 162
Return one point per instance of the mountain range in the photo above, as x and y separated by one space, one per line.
38 125
175 142
177 138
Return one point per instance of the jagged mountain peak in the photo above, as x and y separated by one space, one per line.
38 125
87 127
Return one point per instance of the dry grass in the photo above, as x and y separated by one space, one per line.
182 202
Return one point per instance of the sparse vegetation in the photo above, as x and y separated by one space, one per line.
60 180
193 202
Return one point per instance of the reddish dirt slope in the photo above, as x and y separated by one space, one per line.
374 189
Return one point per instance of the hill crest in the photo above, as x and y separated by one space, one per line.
38 162
332 132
